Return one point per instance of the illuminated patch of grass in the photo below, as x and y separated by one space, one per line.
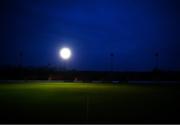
68 101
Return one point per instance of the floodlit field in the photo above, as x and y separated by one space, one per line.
88 103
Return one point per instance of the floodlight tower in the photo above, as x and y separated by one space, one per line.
65 54
157 61
20 59
111 61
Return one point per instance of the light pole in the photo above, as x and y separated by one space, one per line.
20 59
111 61
157 61
65 54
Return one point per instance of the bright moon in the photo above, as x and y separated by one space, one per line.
65 53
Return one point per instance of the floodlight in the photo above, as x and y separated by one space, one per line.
65 53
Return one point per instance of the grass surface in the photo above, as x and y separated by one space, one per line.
88 103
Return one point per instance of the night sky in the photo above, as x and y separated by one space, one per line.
134 30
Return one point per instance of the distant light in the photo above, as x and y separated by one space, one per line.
65 53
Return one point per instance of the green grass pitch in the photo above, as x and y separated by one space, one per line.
55 102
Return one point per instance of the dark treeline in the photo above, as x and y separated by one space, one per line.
50 73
